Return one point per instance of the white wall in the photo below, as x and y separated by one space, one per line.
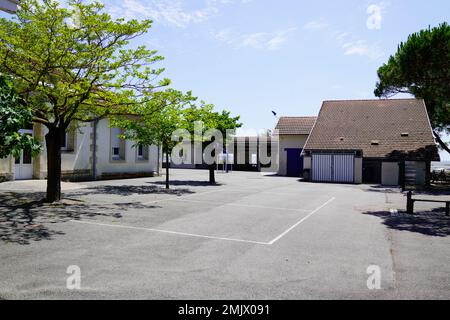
358 170
6 168
105 164
286 142
80 158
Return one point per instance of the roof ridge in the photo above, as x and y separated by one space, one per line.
297 117
387 99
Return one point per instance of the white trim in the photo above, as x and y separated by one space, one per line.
170 232
208 236
243 205
301 221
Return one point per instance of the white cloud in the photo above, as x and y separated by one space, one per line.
259 40
169 12
316 25
177 13
362 48
353 46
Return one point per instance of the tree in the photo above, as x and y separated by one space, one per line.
13 117
75 64
221 121
421 67
156 126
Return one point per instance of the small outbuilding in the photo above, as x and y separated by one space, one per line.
388 142
292 134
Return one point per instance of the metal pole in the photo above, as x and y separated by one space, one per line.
409 203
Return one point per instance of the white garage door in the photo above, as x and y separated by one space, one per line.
333 168
322 167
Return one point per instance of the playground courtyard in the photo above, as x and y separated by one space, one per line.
251 236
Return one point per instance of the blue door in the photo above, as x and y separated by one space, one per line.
294 162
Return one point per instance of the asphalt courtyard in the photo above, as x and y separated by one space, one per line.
249 237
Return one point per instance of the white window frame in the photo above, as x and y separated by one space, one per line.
65 146
140 152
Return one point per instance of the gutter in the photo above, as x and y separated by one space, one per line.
94 150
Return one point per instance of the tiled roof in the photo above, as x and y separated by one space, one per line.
295 125
378 128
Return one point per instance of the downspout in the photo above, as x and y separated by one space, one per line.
94 150
158 161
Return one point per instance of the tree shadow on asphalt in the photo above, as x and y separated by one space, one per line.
430 223
24 217
190 183
431 190
127 190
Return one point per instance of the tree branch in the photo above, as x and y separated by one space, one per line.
441 142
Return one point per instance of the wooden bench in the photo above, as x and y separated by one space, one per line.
410 203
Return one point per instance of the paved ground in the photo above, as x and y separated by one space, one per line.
251 237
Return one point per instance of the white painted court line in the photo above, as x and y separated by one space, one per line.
184 197
301 221
242 205
206 236
170 232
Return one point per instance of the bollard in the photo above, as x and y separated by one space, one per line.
409 203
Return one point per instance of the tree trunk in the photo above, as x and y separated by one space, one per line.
212 176
167 170
441 143
212 168
53 144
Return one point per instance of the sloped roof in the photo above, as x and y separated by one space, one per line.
295 125
379 128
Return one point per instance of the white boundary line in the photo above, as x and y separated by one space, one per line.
169 232
210 237
301 221
184 197
242 205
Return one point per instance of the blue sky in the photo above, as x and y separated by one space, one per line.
254 56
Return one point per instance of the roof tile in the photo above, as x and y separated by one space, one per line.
295 125
355 124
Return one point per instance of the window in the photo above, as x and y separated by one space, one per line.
142 152
116 152
64 142
117 145
68 140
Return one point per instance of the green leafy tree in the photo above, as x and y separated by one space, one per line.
221 121
13 117
75 64
421 67
155 127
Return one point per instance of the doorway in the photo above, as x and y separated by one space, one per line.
294 163
23 169
371 171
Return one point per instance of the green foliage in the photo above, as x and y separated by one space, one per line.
14 117
421 67
171 110
221 121
157 120
77 63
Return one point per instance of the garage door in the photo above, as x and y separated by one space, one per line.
333 168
